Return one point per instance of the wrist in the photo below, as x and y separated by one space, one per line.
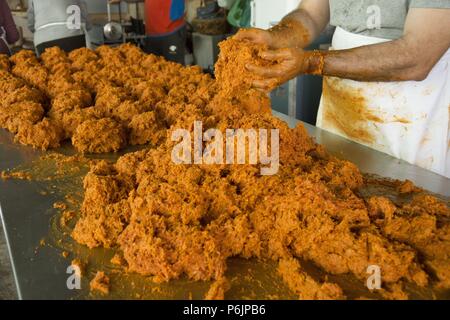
315 62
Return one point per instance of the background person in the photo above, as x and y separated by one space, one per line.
8 29
165 28
47 19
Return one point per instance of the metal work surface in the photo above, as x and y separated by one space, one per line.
40 270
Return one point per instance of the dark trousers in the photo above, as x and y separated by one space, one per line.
66 44
172 46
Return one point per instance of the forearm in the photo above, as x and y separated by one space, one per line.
296 30
426 39
397 60
299 28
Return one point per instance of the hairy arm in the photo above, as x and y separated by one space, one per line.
297 30
426 38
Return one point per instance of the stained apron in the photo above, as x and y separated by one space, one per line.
408 120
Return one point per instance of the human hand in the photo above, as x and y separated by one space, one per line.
288 63
258 36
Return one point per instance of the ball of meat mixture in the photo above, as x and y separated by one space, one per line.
23 94
72 119
144 128
71 100
16 115
99 136
4 62
44 135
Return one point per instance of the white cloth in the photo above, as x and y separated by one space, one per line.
409 120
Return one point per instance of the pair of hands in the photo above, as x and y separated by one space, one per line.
291 62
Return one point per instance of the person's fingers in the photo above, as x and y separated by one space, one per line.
254 35
274 55
265 85
246 34
267 72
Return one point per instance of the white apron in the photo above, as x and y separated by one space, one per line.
409 120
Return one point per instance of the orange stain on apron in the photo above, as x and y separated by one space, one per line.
344 105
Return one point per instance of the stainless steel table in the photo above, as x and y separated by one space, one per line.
26 213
